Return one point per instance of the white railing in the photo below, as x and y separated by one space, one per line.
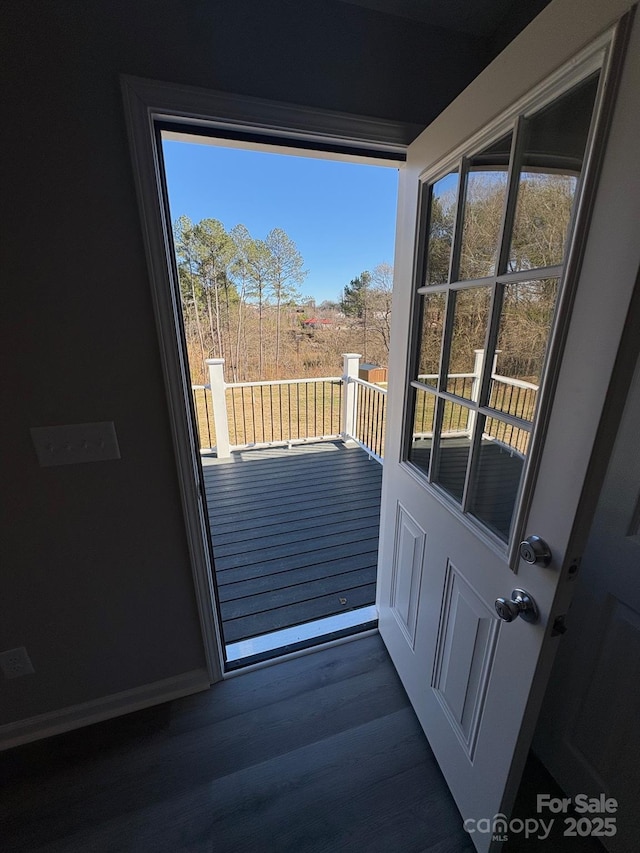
241 415
365 412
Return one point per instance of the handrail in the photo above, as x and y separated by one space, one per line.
266 382
518 383
507 380
366 384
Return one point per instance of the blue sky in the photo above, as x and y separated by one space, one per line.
340 215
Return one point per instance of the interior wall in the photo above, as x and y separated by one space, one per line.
96 581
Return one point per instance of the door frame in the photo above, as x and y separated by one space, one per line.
149 105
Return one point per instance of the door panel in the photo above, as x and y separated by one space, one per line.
465 648
469 466
587 733
408 563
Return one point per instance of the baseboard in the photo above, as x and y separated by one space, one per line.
76 716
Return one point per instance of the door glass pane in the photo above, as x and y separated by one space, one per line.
457 316
486 188
497 475
431 327
525 324
453 451
555 142
442 217
470 320
422 434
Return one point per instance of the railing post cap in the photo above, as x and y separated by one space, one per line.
214 361
351 355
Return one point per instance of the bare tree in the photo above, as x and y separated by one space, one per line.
286 273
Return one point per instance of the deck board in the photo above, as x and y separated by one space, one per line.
252 529
333 526
297 561
230 589
227 500
295 534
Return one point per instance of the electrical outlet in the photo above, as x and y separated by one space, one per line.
16 662
73 443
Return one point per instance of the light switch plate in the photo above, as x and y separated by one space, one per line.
74 443
16 662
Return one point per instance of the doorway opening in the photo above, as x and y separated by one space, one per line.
284 264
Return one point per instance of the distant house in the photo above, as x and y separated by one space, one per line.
317 323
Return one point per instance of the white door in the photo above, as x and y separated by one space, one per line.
511 329
587 734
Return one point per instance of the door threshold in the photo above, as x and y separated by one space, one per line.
283 642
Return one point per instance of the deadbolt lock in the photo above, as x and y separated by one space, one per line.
535 550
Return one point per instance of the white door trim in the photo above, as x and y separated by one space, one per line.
292 127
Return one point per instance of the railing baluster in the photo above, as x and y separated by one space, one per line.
233 416
253 416
205 397
376 423
244 417
315 409
289 408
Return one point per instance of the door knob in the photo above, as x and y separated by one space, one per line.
535 550
520 604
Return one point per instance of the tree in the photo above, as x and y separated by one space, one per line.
367 298
285 274
380 298
215 251
543 214
259 269
542 218
481 227
190 285
354 296
241 272
204 252
355 303
441 224
329 305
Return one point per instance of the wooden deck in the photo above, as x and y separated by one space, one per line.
295 534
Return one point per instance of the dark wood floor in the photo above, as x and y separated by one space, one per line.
295 534
319 754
